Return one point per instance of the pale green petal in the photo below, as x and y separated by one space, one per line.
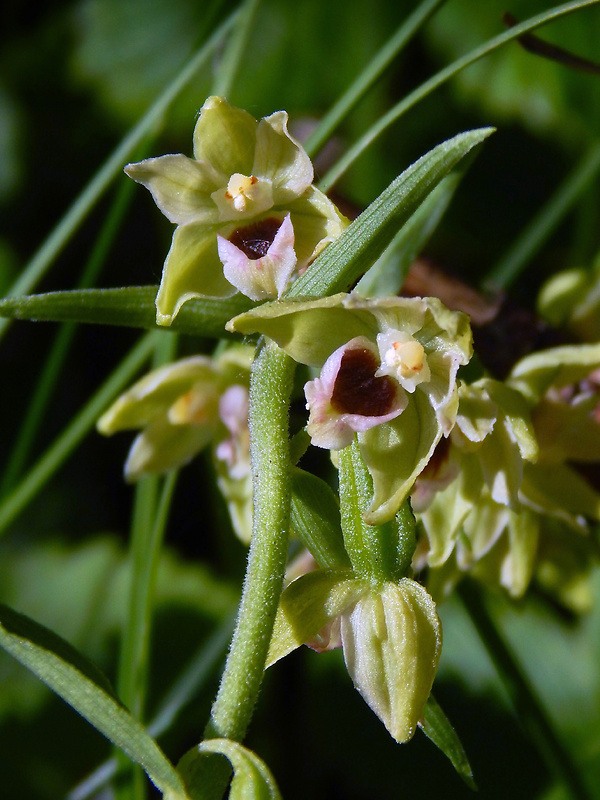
502 465
308 330
308 604
482 528
156 392
225 137
162 446
516 410
395 454
477 412
180 186
450 507
311 330
558 367
317 222
192 269
518 565
280 159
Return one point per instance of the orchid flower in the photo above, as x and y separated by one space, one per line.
387 374
248 217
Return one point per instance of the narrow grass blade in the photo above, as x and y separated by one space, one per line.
236 49
545 222
389 272
48 380
67 441
438 728
193 678
372 72
131 306
441 77
347 259
80 684
527 705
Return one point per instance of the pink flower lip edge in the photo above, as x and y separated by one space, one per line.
262 278
332 428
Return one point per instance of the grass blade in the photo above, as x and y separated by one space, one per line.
58 452
77 681
347 259
441 77
372 72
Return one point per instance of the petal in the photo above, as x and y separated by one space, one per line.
308 330
395 454
557 367
558 490
156 392
317 222
262 278
180 186
162 446
483 528
308 604
448 511
192 269
280 159
225 137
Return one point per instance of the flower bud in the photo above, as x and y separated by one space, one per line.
392 639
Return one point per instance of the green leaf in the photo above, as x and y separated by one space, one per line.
252 779
316 519
131 306
437 727
347 259
83 686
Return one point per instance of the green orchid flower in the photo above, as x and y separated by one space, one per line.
509 549
388 375
562 385
183 408
484 455
390 634
248 217
510 541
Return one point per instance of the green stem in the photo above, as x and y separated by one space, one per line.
378 552
368 76
72 435
75 215
356 490
545 222
437 80
527 705
270 389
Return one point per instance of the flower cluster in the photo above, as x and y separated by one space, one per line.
486 464
502 500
